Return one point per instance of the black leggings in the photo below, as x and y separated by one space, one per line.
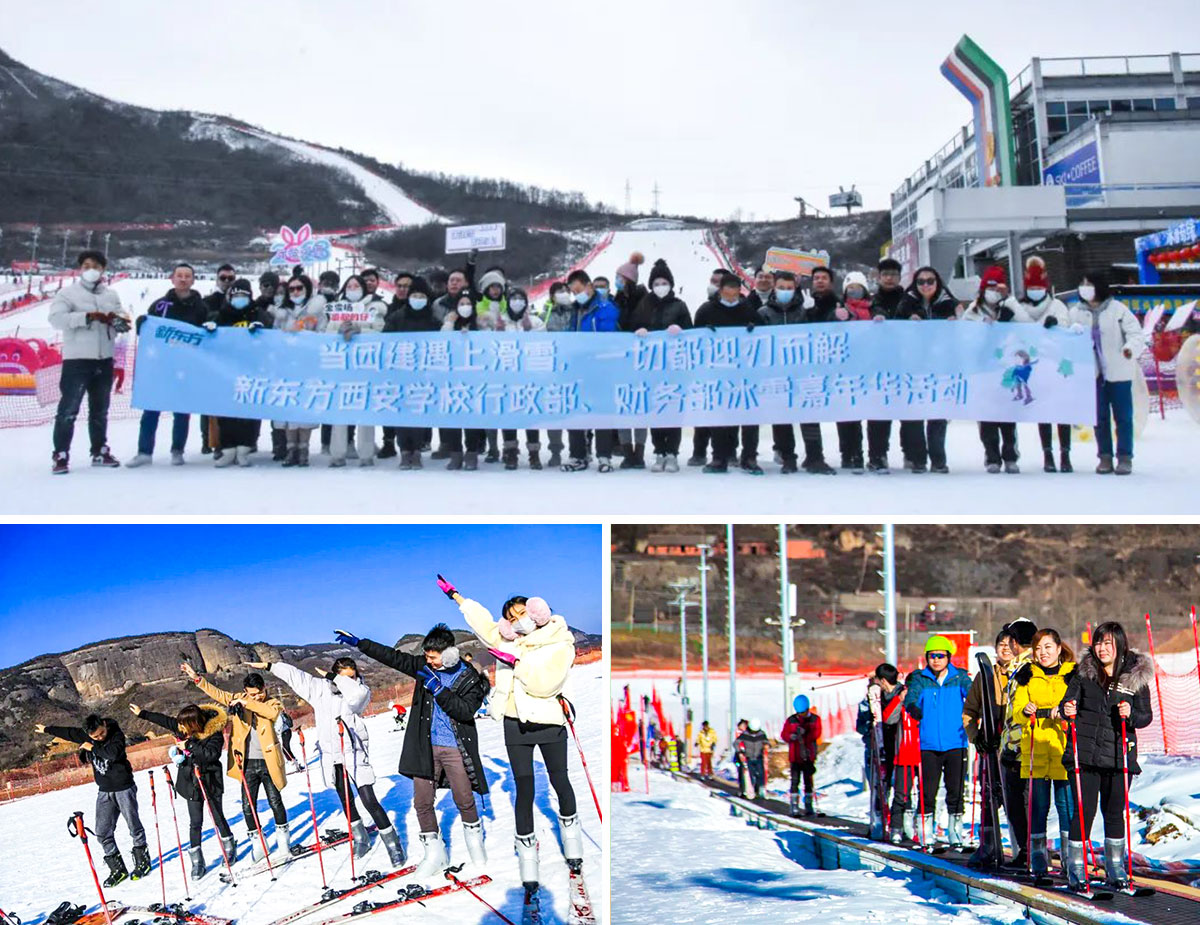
554 754
196 820
1105 784
952 762
257 773
366 793
285 742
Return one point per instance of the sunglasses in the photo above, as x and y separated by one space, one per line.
926 281
295 288
227 279
937 655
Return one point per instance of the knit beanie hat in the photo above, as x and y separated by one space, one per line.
940 643
1035 274
660 270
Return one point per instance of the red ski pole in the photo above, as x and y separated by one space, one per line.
645 751
567 713
216 831
1085 837
254 815
346 784
178 840
312 806
1125 781
162 874
76 828
1196 641
453 879
1162 716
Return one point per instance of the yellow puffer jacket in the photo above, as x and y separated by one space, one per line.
1041 735
707 741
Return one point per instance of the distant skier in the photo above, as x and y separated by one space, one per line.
400 715
753 743
802 732
102 743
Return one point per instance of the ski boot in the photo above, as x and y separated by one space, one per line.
434 860
256 845
1116 864
794 805
572 837
527 855
141 862
473 836
1073 863
954 831
1039 857
283 844
117 873
361 838
808 805
199 869
895 833
908 824
229 843
391 841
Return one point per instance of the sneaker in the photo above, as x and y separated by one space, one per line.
604 464
176 457
940 468
105 458
751 467
1012 468
916 468
697 461
716 467
878 466
660 463
671 463
574 465
337 462
856 465
141 459
59 466
993 468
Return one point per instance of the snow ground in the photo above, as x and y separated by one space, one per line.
39 872
744 873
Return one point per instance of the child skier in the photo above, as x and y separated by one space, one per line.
802 732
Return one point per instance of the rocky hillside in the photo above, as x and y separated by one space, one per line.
105 677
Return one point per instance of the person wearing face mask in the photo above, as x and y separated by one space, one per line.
557 316
518 318
239 311
534 651
490 304
884 304
856 306
588 312
301 311
662 310
403 280
783 306
328 285
1117 341
181 303
465 445
926 299
730 310
702 436
628 294
1044 309
821 305
210 439
353 300
90 316
407 316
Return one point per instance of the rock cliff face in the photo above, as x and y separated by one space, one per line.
105 677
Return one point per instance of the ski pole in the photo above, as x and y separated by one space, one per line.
216 831
1162 715
920 790
1029 797
178 840
453 879
1085 838
567 713
312 806
1125 781
254 814
162 874
76 828
974 791
346 784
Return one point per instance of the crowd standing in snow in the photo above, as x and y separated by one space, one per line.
91 318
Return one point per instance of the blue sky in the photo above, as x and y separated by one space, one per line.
64 586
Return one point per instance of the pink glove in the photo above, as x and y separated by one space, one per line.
499 656
445 587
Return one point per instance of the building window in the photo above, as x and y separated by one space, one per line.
1056 126
1073 122
1193 102
1075 107
1122 106
1056 108
1165 104
1143 105
1098 107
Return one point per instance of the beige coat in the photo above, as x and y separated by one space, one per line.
264 714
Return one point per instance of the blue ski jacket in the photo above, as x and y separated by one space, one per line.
939 707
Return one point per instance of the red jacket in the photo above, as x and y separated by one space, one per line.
802 731
908 754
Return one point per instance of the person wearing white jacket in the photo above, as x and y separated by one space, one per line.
300 311
534 651
995 304
1118 341
1044 309
90 316
517 318
338 699
353 300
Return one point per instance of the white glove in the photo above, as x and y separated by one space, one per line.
641 332
1076 328
209 326
988 319
808 301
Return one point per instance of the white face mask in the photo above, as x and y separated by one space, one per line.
1035 295
525 625
91 276
417 302
354 294
991 296
1087 293
299 299
661 289
277 298
464 311
562 297
712 290
517 305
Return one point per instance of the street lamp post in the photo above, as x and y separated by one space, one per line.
785 626
732 638
704 569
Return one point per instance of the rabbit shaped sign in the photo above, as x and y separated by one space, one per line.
299 247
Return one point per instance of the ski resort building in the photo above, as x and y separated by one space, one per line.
1095 151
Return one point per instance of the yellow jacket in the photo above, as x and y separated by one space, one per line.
707 740
1045 737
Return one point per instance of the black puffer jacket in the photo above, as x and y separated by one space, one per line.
403 318
886 302
190 310
1098 727
461 701
110 767
203 751
655 314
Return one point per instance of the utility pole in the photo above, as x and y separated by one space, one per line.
66 237
88 245
681 589
656 192
107 235
37 232
785 625
732 638
888 574
628 197
704 570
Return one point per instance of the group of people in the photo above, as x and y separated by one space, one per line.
91 318
1061 720
534 651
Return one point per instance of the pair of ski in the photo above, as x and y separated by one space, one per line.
157 913
413 893
332 838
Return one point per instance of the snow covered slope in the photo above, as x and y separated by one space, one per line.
40 865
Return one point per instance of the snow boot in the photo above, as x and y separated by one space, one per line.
808 805
660 463
794 804
527 855
278 444
303 461
535 460
141 459
493 455
434 860
1116 864
116 869
510 456
106 459
229 843
572 837
456 462
406 460
391 841
226 459
993 468
1104 468
555 459
471 462
1064 462
60 464
1039 858
670 463
362 839
1124 465
954 831
415 460
635 456
473 836
283 844
1048 461
292 458
176 457
198 867
141 862
1012 468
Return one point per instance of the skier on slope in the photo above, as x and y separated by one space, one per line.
338 698
103 743
802 732
441 745
199 741
753 743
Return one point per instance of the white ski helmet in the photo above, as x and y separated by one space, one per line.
755 724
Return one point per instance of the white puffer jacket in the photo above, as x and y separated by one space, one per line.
308 317
979 310
1051 307
342 697
1119 329
528 691
527 322
83 339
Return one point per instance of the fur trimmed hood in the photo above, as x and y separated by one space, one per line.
217 718
1138 670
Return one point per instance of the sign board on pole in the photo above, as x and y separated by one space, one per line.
1079 172
792 599
463 238
298 247
800 262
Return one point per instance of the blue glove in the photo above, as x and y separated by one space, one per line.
176 754
346 639
432 682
